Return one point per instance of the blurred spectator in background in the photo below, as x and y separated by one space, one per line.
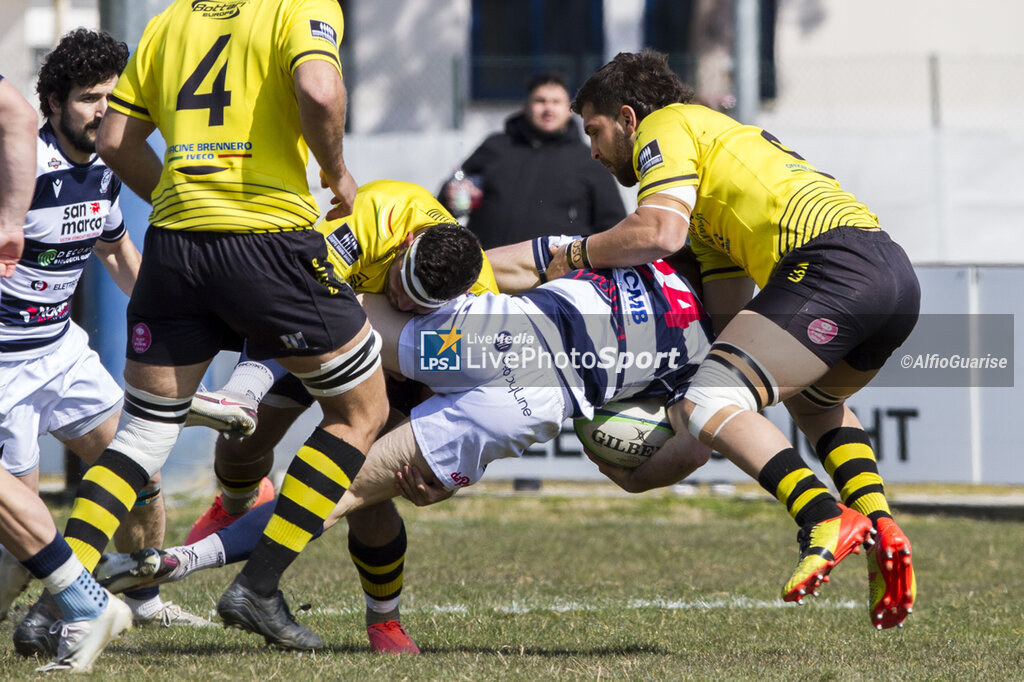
536 178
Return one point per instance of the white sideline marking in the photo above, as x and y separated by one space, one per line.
567 606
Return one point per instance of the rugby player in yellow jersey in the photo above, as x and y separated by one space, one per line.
369 249
836 298
241 91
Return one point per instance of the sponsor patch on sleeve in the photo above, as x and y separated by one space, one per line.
323 31
345 243
649 157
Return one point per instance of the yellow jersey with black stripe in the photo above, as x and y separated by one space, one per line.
216 79
756 199
363 245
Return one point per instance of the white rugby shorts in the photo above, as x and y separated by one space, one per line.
461 433
67 393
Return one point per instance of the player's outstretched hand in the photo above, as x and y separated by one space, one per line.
344 191
620 476
415 488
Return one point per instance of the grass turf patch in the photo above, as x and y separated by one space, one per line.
591 586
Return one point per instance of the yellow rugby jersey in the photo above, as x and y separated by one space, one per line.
756 199
363 245
216 79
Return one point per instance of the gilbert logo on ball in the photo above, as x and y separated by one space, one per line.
626 433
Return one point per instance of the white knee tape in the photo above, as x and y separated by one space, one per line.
714 389
346 371
149 427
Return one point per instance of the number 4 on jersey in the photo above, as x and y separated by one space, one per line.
218 98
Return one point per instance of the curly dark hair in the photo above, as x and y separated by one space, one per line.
448 260
83 58
641 80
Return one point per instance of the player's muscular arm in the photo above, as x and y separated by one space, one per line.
514 268
656 229
121 259
122 144
17 172
322 104
723 298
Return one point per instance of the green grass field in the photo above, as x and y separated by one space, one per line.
592 586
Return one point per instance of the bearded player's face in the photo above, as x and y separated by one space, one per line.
611 144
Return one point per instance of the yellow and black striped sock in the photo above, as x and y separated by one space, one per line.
316 479
848 458
108 490
381 569
787 477
237 496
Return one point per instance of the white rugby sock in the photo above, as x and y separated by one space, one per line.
144 608
251 379
206 553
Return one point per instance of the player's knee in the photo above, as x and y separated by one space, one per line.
149 427
728 382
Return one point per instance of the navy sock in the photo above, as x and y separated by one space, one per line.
242 536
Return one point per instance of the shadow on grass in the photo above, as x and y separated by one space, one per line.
227 648
632 649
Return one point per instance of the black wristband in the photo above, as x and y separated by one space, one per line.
584 259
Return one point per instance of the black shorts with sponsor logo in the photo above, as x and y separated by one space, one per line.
849 294
201 292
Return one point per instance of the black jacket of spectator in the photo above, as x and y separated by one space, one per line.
536 184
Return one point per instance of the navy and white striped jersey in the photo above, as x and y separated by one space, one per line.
646 317
601 334
74 205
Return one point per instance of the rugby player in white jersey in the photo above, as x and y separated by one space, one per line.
92 617
54 383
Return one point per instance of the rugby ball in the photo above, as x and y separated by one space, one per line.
625 433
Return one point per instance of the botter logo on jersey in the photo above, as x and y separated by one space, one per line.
223 9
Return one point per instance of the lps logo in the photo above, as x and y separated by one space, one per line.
440 350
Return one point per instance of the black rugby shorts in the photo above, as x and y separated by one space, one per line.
848 294
202 292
